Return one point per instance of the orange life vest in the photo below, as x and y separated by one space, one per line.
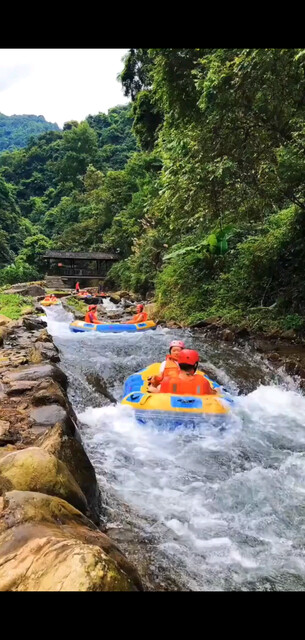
171 369
196 385
140 317
91 317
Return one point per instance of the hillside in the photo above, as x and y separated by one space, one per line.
198 185
15 131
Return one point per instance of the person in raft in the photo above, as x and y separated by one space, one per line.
169 367
141 315
187 381
91 315
77 287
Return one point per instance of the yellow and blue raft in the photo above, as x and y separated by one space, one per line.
49 303
79 326
171 410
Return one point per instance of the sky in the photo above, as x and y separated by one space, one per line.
60 84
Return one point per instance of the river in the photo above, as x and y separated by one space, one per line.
204 509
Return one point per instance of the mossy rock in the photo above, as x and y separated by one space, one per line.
34 469
47 545
72 453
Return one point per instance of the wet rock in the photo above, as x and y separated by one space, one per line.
261 346
49 393
274 357
99 385
299 371
227 335
72 453
242 333
48 415
115 298
33 469
47 351
44 417
290 367
113 316
37 372
289 335
33 323
17 388
61 550
44 336
34 290
39 308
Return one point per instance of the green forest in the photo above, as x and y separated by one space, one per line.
198 184
16 131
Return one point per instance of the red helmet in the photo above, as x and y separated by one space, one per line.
188 356
140 307
177 343
92 306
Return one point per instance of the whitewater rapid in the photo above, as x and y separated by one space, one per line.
211 510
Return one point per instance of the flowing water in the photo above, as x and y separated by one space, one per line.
203 509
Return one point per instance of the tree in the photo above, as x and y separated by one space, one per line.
80 150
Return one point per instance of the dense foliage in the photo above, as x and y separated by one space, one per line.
16 131
207 210
63 189
224 234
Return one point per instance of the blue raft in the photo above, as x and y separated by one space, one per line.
171 411
79 326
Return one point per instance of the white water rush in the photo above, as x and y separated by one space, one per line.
217 510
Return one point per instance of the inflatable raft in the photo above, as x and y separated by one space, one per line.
49 303
171 410
79 326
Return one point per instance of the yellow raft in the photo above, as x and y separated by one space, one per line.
171 409
49 303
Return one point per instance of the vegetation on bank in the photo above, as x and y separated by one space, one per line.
76 305
198 186
14 306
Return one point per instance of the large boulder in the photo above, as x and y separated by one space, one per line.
151 310
32 323
128 295
33 290
33 469
4 320
44 351
72 453
47 545
37 372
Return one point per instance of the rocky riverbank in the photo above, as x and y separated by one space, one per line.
49 498
283 348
